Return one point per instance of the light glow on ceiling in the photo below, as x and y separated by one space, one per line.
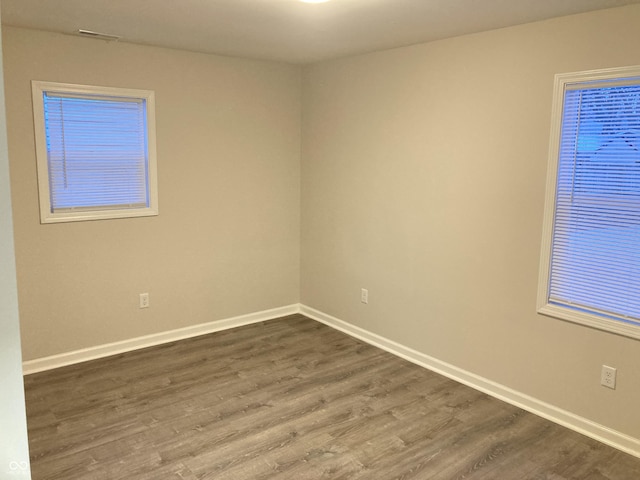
314 1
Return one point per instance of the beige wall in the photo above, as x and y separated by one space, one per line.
423 180
226 241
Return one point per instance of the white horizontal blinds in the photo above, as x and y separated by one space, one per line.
595 263
97 152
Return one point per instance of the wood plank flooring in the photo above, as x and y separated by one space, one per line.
289 399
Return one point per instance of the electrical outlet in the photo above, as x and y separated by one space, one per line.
144 300
364 295
608 377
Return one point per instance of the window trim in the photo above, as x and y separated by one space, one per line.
562 83
38 88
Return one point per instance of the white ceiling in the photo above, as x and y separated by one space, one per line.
286 30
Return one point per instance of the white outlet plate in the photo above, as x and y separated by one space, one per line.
364 295
144 300
608 377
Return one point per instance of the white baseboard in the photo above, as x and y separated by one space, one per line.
557 415
100 351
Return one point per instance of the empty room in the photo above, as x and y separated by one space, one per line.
340 239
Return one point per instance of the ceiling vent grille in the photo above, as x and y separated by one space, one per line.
100 36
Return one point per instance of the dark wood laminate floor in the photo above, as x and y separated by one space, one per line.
289 399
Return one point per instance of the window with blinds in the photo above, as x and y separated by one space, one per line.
95 151
590 270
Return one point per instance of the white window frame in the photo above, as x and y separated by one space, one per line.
47 215
544 306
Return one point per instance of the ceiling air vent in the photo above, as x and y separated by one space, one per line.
100 36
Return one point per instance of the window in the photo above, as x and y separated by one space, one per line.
590 265
95 149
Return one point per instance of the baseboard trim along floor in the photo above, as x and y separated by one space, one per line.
557 415
106 350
